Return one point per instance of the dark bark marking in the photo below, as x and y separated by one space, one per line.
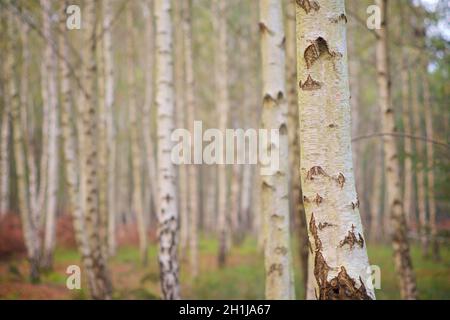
351 239
318 48
325 225
341 17
310 84
315 171
308 5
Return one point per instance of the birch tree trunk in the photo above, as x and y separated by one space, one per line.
296 197
51 100
135 142
179 63
223 107
402 258
148 103
167 198
375 199
111 135
419 167
69 145
102 288
430 161
4 140
191 114
338 250
408 166
29 228
274 192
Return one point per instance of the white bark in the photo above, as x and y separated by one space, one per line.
111 134
29 228
51 100
274 192
191 115
223 107
101 288
137 202
335 231
167 197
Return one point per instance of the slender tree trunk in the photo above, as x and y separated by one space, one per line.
223 107
402 257
29 229
296 197
375 199
103 140
408 166
167 201
51 100
430 161
102 287
69 143
135 143
148 103
274 192
111 135
191 114
4 140
335 231
419 167
181 113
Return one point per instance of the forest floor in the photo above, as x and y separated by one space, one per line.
242 278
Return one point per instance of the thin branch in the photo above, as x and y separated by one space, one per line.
400 135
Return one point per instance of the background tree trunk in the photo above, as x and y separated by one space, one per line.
274 192
400 243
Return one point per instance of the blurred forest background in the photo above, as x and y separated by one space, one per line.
43 78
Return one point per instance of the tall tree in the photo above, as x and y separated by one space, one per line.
102 288
69 152
223 107
29 228
338 251
109 118
181 113
136 156
51 100
274 192
167 198
296 196
430 160
191 114
402 257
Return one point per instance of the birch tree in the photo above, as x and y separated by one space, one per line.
294 148
135 143
109 118
29 228
4 137
402 258
339 259
167 197
191 114
430 161
274 190
102 288
51 100
223 107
